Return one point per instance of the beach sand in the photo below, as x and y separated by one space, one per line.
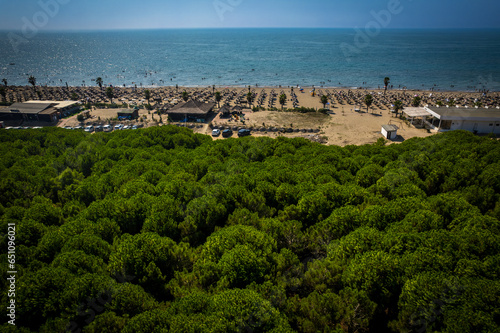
346 122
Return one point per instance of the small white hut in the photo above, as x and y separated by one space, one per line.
390 131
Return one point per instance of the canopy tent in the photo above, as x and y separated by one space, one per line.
415 112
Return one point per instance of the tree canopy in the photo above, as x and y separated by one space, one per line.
161 229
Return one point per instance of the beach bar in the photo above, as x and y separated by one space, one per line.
47 111
476 120
191 111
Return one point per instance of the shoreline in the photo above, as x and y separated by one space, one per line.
369 89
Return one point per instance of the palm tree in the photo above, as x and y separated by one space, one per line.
250 97
368 101
416 101
147 94
324 100
99 82
32 80
4 81
386 83
218 97
185 95
282 100
110 93
398 105
3 93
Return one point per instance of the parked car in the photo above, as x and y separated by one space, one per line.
89 129
107 128
68 127
118 127
134 127
216 132
127 127
78 127
227 133
98 128
244 132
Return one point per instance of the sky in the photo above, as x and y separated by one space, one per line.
159 14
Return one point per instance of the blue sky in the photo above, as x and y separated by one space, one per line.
154 14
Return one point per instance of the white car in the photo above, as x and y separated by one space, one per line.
89 129
107 128
118 127
216 132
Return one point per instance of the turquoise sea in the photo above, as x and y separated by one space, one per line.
417 59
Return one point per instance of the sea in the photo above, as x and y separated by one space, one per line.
445 60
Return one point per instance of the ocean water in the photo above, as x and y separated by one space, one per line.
416 59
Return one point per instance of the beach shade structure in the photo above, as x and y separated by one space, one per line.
225 111
418 113
191 110
237 109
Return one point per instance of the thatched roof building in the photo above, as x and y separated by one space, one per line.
225 110
191 110
237 108
49 111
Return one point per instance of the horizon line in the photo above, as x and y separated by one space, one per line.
244 28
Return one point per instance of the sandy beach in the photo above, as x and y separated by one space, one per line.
346 120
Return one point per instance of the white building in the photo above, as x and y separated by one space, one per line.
389 132
470 119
